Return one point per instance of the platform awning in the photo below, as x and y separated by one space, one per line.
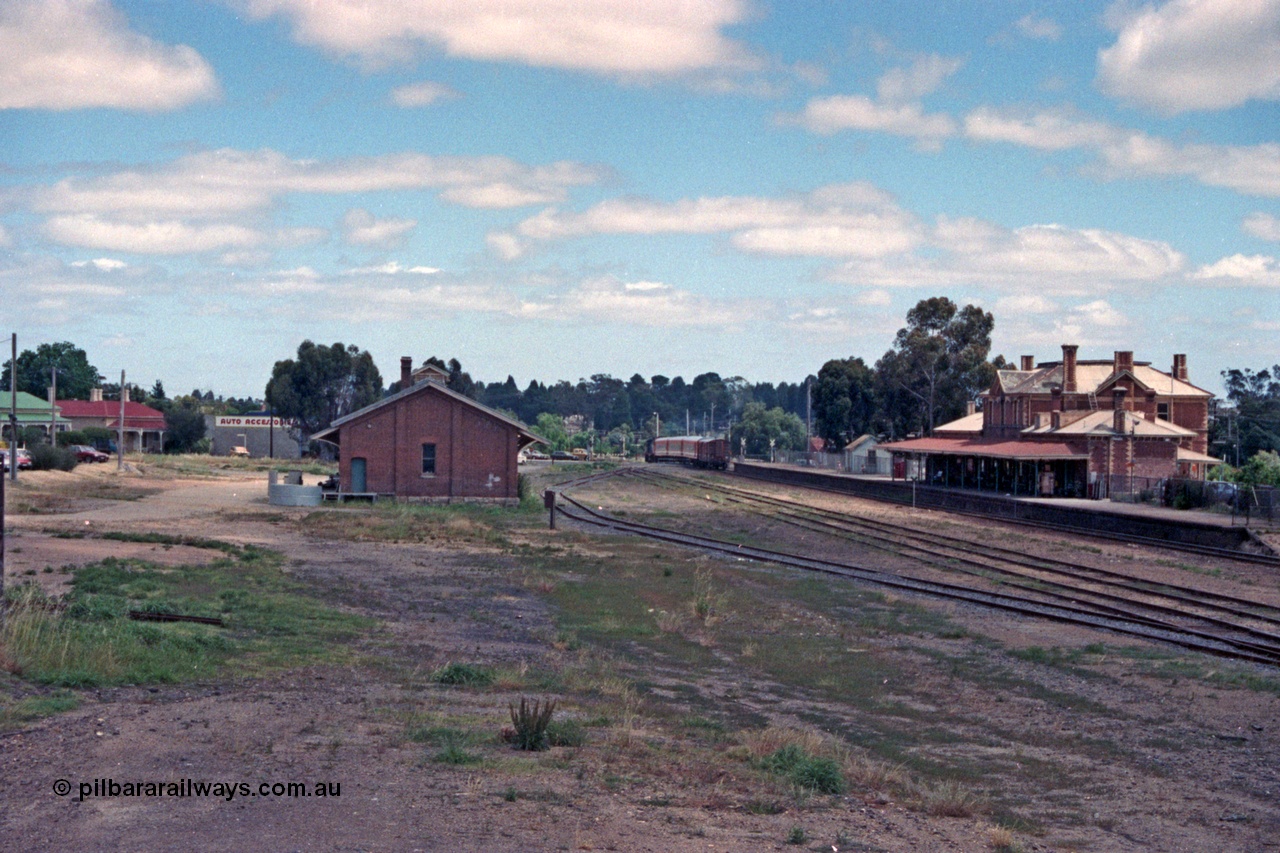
1011 450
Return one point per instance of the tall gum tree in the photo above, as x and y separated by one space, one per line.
938 362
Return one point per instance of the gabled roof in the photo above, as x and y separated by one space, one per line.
30 409
1102 422
136 415
421 387
969 424
1091 377
860 442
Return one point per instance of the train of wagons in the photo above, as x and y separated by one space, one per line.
693 450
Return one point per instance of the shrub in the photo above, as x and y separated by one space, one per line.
814 774
463 674
46 457
531 721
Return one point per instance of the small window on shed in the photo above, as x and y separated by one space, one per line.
428 460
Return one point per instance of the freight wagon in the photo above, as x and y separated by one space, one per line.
691 450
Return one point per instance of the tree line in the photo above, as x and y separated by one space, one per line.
940 361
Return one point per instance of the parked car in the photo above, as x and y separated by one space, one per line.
565 455
24 460
85 453
1220 490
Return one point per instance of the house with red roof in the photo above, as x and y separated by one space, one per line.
1071 428
143 426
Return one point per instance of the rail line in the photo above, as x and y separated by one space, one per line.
988 558
1037 597
1075 530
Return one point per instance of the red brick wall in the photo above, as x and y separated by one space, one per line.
475 453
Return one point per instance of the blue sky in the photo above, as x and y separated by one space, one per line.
554 188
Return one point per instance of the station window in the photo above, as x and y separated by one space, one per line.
428 460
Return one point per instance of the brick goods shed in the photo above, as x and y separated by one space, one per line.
427 442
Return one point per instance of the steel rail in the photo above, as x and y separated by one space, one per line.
1133 626
1118 606
1151 541
869 529
1205 599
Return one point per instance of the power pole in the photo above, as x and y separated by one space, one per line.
13 410
120 429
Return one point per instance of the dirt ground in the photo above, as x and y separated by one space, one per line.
1198 771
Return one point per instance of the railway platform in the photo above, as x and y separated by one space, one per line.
1087 516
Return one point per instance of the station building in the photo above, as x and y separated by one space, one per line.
1070 428
427 442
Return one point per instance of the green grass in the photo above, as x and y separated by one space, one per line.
271 620
33 708
464 675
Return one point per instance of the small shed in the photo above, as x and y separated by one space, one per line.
860 456
429 443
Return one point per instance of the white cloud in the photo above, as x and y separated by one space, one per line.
228 181
223 199
5 239
1193 54
897 109
168 237
165 238
1032 27
1264 226
1025 304
393 268
1048 130
1099 313
362 229
655 304
76 54
612 37
1241 271
1048 258
1120 152
104 264
422 94
857 112
922 77
854 220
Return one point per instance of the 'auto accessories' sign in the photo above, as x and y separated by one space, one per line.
243 421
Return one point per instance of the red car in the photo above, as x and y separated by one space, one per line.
24 460
85 453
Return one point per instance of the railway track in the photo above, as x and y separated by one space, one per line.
1041 587
1264 559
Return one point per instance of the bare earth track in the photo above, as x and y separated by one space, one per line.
1074 739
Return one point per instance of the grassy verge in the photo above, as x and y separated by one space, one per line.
88 640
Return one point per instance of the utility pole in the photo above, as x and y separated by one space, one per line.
13 410
53 406
120 429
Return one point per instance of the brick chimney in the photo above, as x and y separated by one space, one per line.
1180 367
1056 395
406 371
1118 401
970 407
1069 368
1028 363
1124 361
124 394
95 395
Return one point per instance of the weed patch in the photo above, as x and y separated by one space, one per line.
87 639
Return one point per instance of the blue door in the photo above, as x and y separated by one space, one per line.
359 479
